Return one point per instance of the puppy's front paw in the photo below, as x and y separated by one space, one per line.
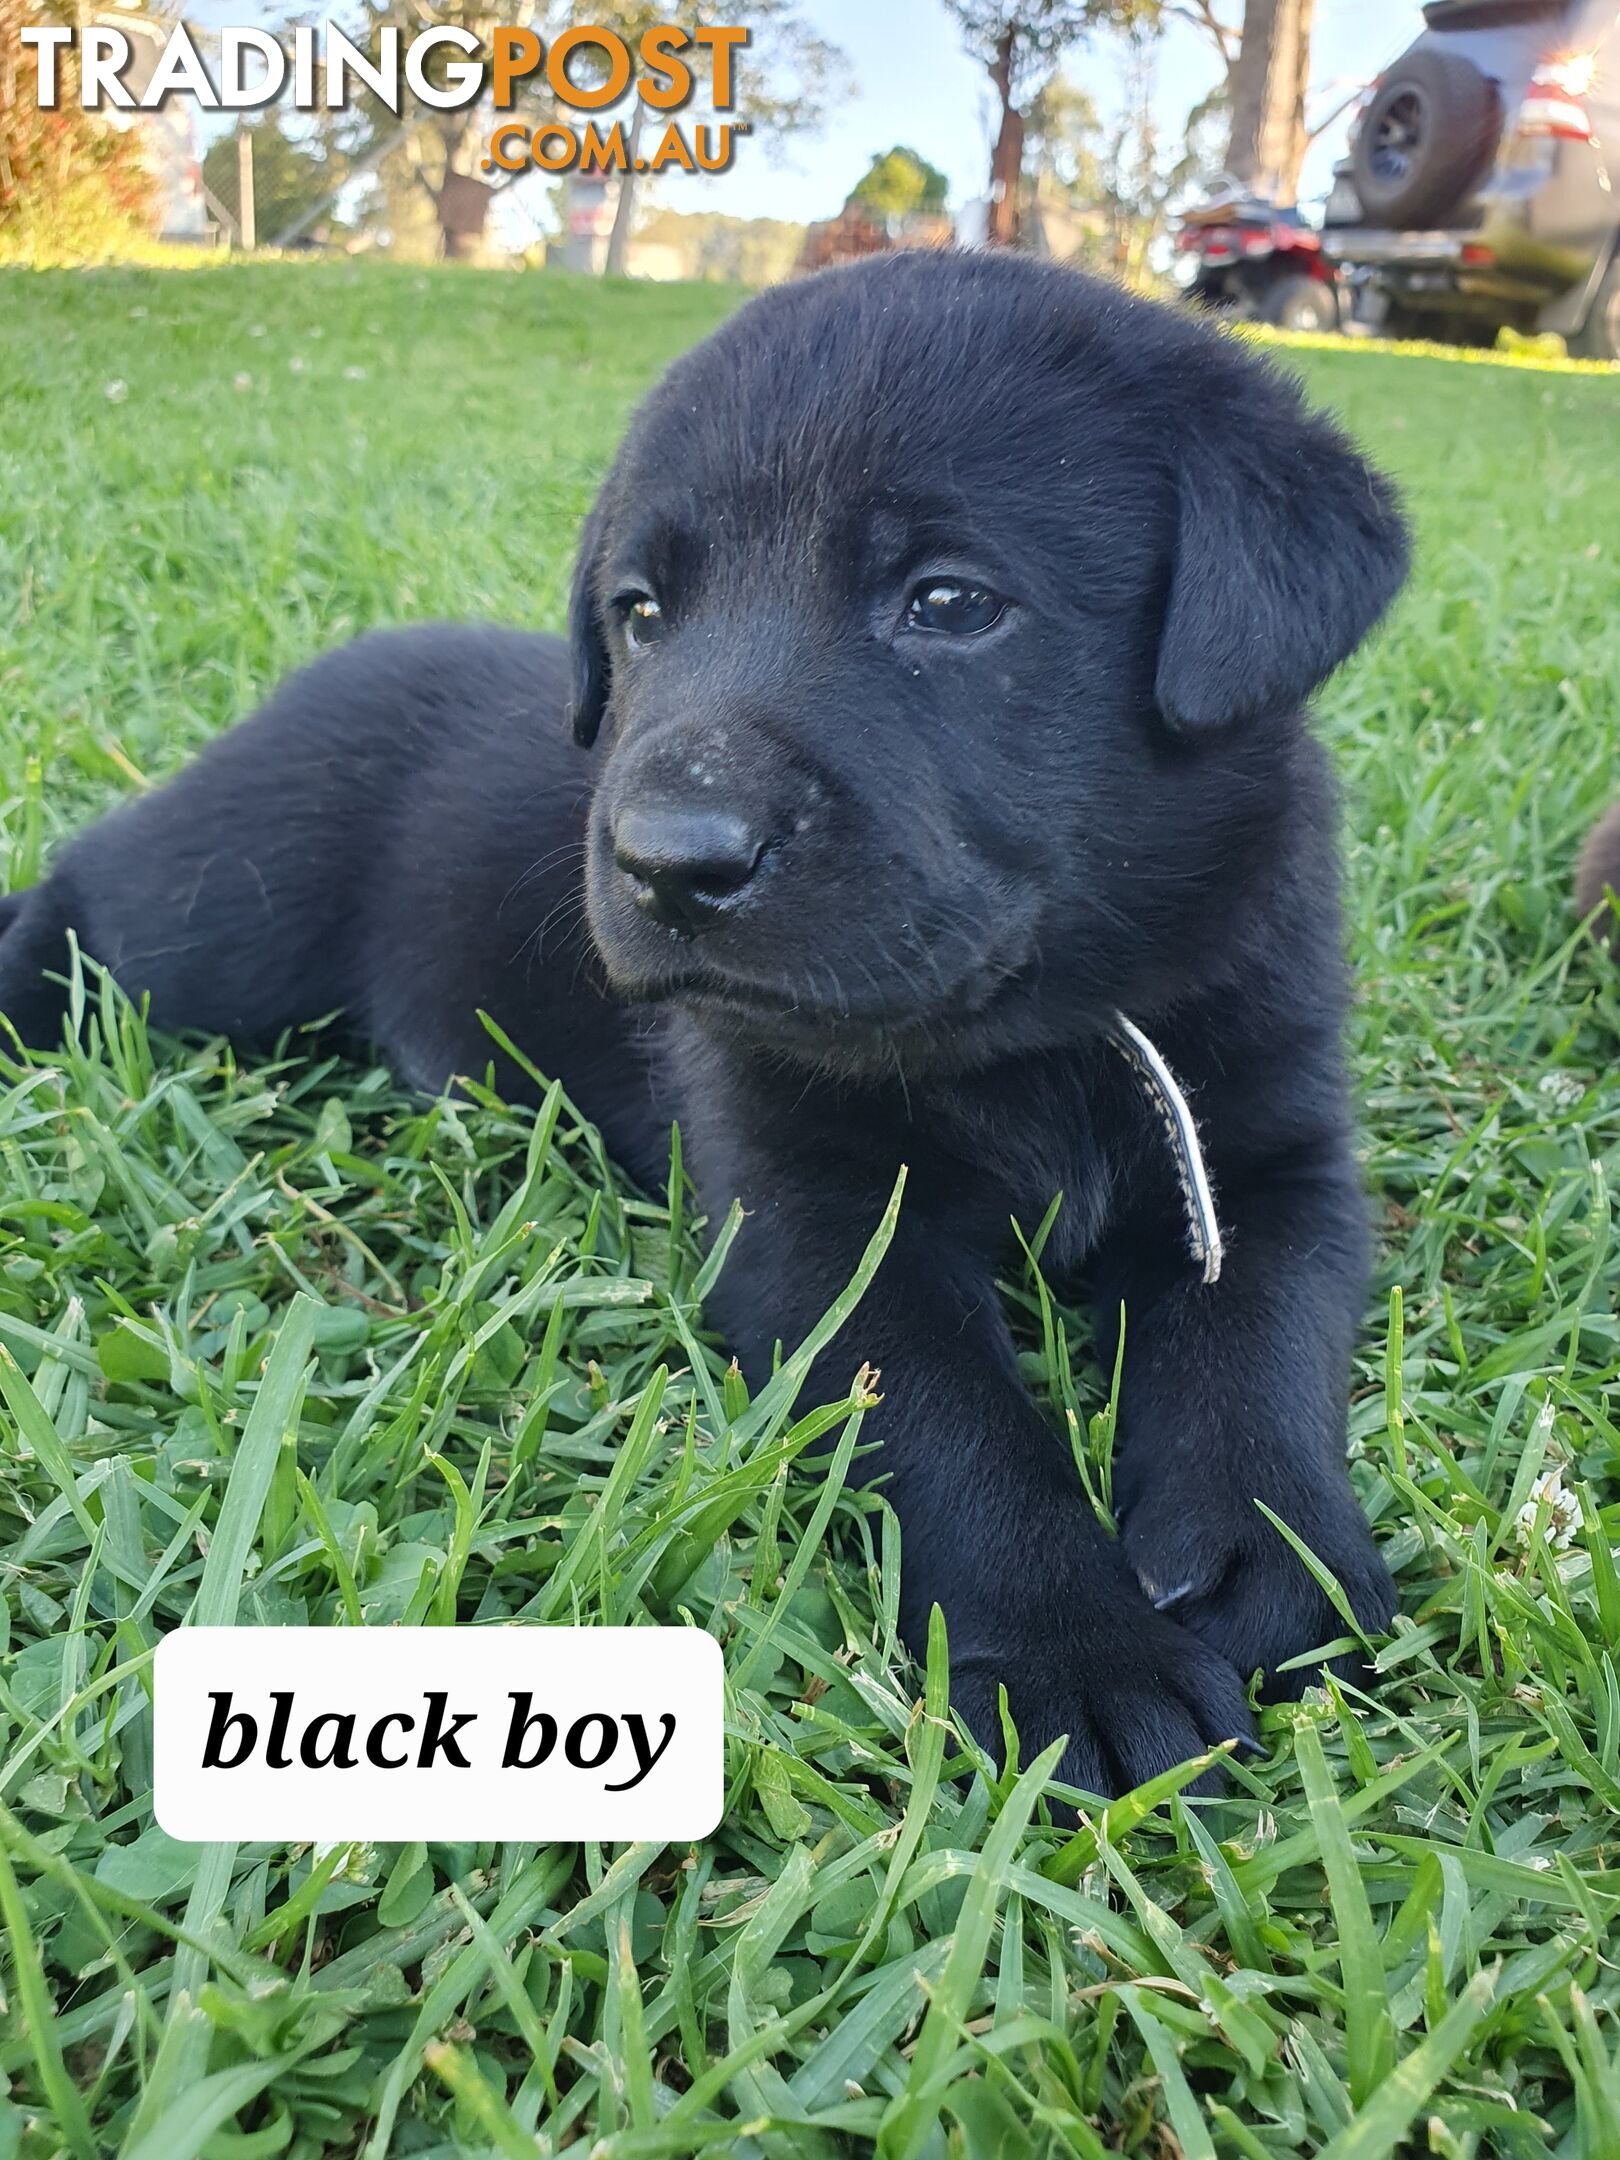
1135 1693
1208 1558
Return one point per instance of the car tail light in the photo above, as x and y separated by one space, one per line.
1553 105
1477 255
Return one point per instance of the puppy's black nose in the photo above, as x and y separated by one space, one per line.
684 863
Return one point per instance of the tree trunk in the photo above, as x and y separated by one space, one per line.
1269 78
1007 159
624 209
247 223
463 207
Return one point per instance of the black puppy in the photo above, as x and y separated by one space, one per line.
946 624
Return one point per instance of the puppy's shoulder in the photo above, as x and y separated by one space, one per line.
438 665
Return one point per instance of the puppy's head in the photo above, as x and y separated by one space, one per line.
946 621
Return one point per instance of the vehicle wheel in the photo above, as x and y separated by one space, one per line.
1599 335
1301 303
1407 326
1434 326
1430 131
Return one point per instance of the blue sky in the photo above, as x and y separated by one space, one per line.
913 83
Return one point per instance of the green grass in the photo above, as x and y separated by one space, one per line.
1399 1931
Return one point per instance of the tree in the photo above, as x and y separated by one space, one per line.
1268 81
72 184
1019 41
899 183
1266 66
428 156
1117 176
1064 140
291 175
782 79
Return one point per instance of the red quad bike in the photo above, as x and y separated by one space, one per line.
1242 254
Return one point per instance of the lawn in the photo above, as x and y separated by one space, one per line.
1397 1933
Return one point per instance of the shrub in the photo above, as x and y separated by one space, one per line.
72 187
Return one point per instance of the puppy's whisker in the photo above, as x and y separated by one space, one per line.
566 915
569 911
538 869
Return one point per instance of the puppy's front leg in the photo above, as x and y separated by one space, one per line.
1234 1393
994 1525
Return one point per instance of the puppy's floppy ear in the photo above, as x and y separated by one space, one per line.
587 642
1288 548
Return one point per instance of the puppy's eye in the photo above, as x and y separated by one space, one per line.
947 604
643 620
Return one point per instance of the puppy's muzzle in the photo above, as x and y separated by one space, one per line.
686 864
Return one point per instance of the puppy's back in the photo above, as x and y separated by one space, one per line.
239 896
